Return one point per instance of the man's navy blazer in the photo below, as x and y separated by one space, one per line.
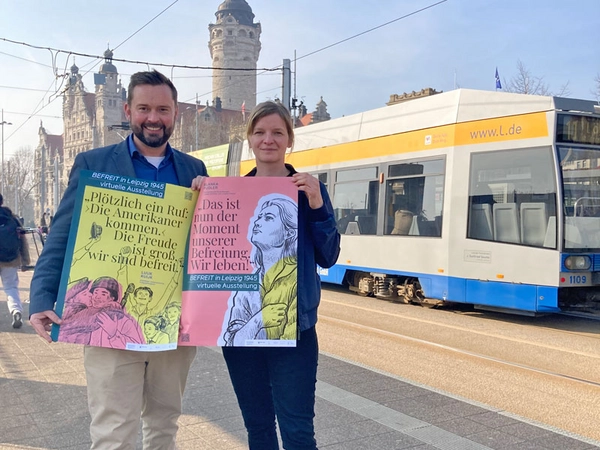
114 159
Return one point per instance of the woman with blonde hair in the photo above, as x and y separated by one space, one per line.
279 382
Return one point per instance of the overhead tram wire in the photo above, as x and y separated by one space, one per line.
372 29
69 53
146 24
54 52
146 63
34 113
56 89
16 113
280 66
264 70
25 59
137 31
16 88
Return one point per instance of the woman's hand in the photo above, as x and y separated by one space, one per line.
197 182
311 187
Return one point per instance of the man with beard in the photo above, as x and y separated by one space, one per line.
122 385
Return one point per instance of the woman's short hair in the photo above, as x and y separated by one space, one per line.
266 109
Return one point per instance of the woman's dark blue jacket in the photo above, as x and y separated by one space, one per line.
318 243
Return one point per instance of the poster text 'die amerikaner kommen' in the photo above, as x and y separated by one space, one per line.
121 279
240 280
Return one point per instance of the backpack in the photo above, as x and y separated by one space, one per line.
10 242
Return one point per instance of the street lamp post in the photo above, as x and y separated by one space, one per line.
196 114
196 120
3 123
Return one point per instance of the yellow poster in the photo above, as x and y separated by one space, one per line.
121 280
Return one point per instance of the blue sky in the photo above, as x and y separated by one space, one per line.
458 43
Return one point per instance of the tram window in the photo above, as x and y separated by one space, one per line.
581 178
364 173
414 198
512 197
355 201
322 177
430 167
581 197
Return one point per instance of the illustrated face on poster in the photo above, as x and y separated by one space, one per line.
142 296
270 315
173 313
273 230
243 247
123 262
102 297
268 229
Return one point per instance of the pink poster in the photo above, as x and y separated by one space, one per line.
240 280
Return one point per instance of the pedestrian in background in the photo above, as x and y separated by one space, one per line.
121 384
14 254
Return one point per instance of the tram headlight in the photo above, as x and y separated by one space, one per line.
578 262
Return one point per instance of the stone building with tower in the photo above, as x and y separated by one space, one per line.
96 119
47 162
89 120
234 44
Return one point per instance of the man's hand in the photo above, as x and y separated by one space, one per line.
197 182
42 322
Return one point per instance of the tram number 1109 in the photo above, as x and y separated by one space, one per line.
575 280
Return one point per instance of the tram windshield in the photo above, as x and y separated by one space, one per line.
580 169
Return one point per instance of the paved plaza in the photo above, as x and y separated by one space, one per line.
43 405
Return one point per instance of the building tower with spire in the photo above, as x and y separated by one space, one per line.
110 97
90 120
234 43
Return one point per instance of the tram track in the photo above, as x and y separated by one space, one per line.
481 333
459 351
544 371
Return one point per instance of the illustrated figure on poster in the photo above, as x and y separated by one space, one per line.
124 386
139 305
94 316
95 236
140 302
276 386
171 316
77 300
78 297
153 330
271 312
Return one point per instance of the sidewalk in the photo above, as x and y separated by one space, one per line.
43 406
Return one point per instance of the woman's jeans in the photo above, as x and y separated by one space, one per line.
277 381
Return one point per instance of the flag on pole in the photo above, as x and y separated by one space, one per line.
244 110
498 84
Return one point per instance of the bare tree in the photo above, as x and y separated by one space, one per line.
20 182
526 83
